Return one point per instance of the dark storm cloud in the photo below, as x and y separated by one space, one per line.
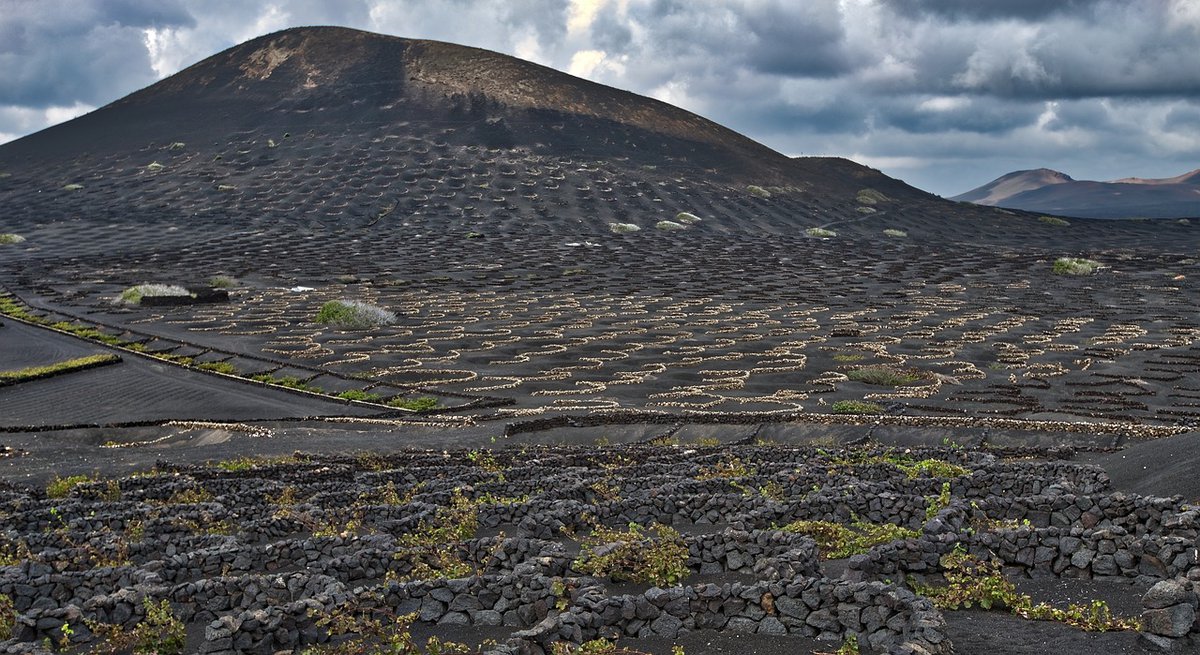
61 52
990 9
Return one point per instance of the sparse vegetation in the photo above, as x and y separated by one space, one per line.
10 238
419 404
758 192
856 407
687 218
358 394
154 167
1053 220
289 381
221 282
354 315
72 187
884 376
655 556
669 226
133 295
623 228
1075 266
837 541
218 367
161 632
61 487
892 232
820 232
58 368
870 197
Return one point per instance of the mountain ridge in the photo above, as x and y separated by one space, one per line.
1047 191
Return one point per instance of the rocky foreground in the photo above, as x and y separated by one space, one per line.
537 550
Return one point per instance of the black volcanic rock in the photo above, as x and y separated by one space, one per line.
1051 192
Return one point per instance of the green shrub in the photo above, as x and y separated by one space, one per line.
669 226
1075 266
837 541
218 367
623 228
133 295
358 394
899 234
884 376
61 487
221 282
420 404
8 617
758 192
1053 220
656 556
8 237
856 407
870 197
687 218
72 187
161 632
820 232
154 167
354 315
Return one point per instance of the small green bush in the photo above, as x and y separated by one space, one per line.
420 404
60 487
669 226
656 556
899 234
354 315
1053 220
758 192
358 394
221 282
72 187
161 632
623 228
218 367
883 376
820 232
836 541
870 197
8 237
1075 266
856 407
133 295
687 218
154 167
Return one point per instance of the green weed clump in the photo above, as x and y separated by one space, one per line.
686 218
221 282
884 376
899 234
972 580
870 197
656 556
669 226
1075 266
837 541
623 228
9 238
1053 220
358 394
419 404
61 487
218 367
758 192
354 315
820 232
133 295
856 407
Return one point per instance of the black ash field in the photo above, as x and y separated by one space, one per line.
604 311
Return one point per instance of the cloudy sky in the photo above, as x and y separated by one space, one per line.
945 94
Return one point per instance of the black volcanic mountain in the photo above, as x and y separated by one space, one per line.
341 125
1047 191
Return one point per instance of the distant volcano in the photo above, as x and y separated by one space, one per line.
1047 191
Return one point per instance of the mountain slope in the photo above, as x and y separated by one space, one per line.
1051 192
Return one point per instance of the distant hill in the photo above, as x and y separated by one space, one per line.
1051 192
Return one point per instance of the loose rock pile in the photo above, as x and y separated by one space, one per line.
252 556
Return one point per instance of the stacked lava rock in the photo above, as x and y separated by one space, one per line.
1170 622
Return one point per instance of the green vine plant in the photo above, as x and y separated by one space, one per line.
837 541
600 647
655 555
974 581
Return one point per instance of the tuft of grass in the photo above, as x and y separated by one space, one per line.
218 367
419 404
1053 220
870 197
856 407
899 234
687 218
623 228
1075 266
57 368
820 232
884 376
758 192
133 295
358 394
354 315
669 226
8 237
61 487
154 167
